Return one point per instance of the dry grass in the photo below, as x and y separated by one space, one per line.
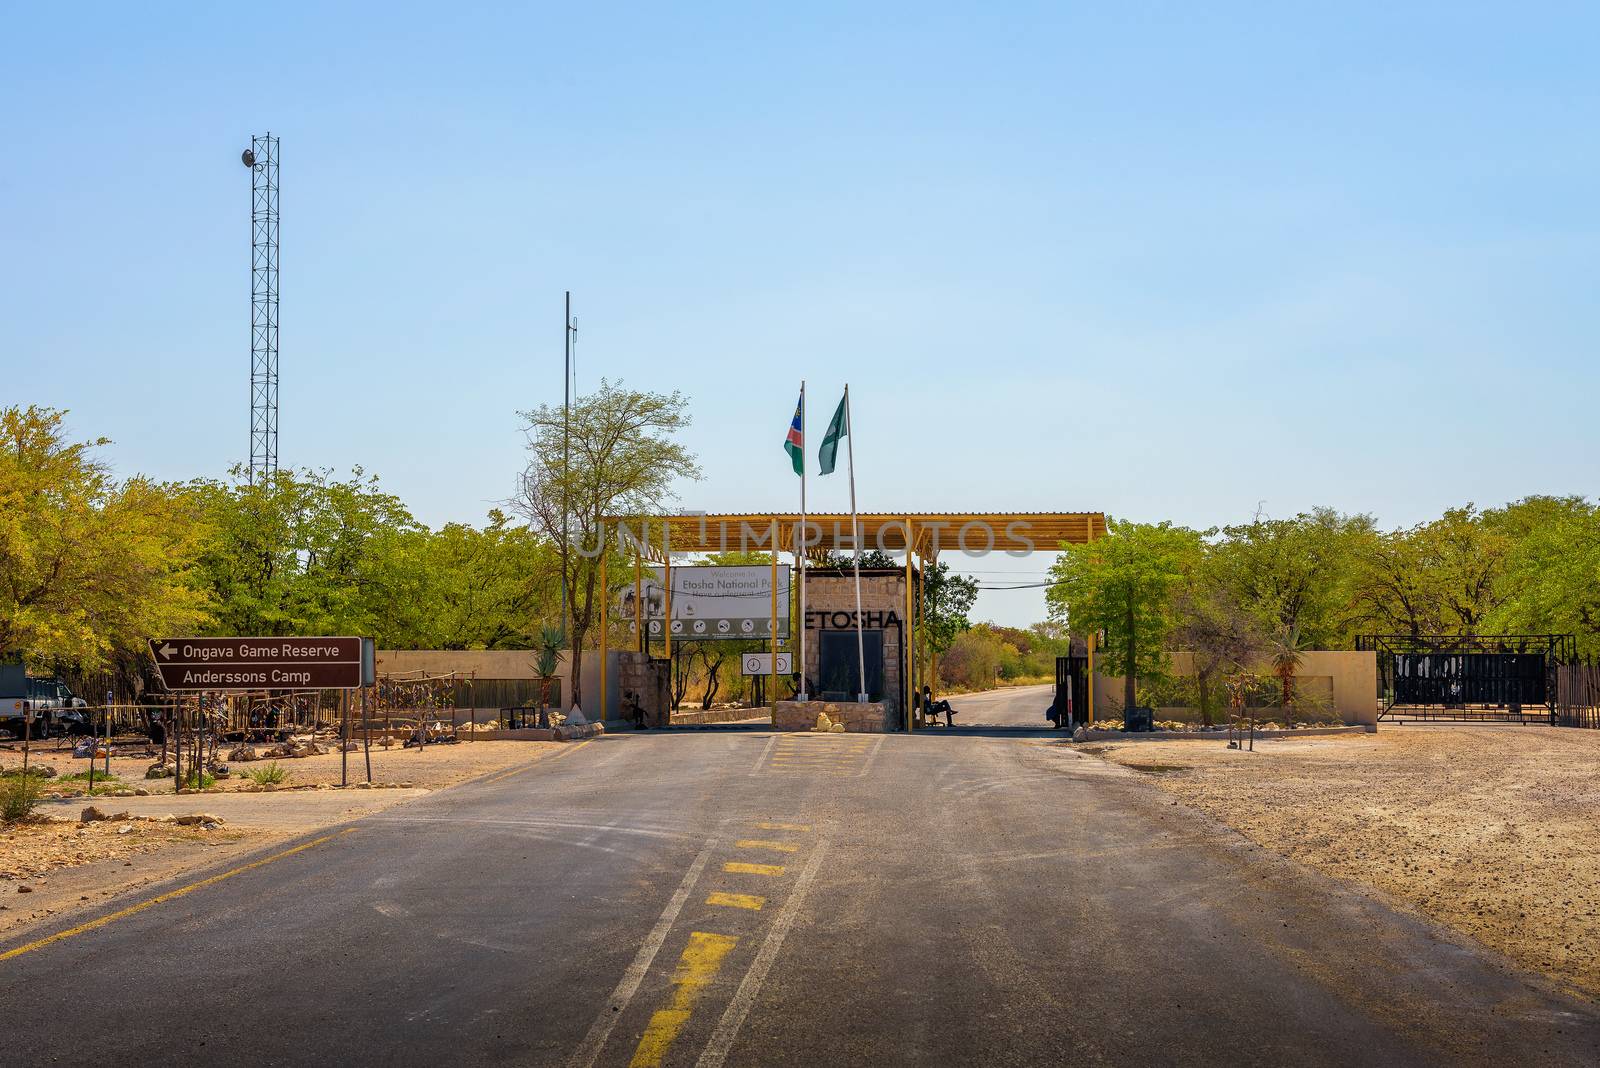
1489 829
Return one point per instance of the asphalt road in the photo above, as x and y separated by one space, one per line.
1010 706
922 900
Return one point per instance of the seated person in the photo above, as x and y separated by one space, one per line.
932 708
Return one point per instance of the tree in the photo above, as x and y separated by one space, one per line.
88 566
946 601
303 552
973 661
1441 577
1295 573
624 461
1123 584
1222 637
476 588
1551 572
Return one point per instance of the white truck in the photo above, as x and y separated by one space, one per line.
55 708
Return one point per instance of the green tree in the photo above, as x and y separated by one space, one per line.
1440 577
1296 574
624 461
89 567
467 587
1222 637
947 600
1124 584
306 553
1551 574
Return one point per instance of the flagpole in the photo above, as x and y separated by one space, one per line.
799 546
855 540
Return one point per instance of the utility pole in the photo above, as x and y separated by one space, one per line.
568 330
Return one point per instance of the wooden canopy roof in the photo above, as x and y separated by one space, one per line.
929 532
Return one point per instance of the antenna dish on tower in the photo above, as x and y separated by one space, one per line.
248 158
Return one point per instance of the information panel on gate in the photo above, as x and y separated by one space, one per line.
713 601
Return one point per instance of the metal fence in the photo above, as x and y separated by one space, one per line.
1577 695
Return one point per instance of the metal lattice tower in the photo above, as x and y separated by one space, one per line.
262 159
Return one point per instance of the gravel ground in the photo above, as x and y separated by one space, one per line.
431 768
1489 829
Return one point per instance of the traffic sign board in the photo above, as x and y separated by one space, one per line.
258 663
761 663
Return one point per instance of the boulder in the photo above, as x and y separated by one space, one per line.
92 814
158 770
242 753
197 819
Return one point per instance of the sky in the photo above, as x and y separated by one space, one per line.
1164 261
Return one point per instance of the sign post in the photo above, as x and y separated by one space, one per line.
225 664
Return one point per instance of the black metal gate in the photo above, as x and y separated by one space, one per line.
1072 690
1505 677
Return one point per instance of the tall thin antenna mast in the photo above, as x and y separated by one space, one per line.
262 159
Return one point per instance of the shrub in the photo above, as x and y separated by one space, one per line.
270 775
193 780
18 795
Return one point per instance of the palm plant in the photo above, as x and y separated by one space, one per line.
549 644
1284 652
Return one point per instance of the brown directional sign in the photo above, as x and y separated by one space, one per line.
258 663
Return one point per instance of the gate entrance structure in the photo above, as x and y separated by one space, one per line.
891 611
1490 677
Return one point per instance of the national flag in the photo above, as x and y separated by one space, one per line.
795 443
838 427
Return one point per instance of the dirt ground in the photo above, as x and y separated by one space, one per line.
1490 829
432 767
65 865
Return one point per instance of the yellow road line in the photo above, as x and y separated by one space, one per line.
696 968
762 843
536 763
738 867
784 826
737 901
168 896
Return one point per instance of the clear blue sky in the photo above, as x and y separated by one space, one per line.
1166 262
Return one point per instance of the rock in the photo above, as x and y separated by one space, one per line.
93 815
198 819
159 770
220 771
24 889
406 785
363 786
126 828
242 753
1081 734
140 791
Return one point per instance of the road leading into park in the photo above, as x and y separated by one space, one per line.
746 898
1008 706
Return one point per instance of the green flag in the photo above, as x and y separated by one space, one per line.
838 427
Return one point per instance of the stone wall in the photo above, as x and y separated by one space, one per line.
637 674
831 605
874 717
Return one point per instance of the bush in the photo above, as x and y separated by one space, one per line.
18 795
193 780
270 775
